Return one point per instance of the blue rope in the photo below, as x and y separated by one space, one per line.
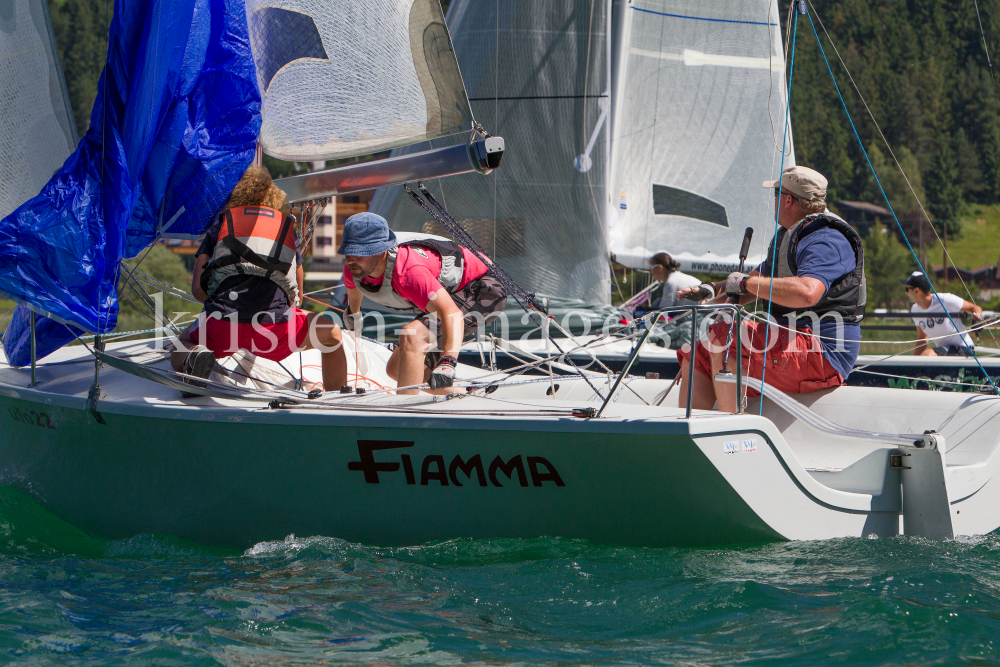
886 198
777 208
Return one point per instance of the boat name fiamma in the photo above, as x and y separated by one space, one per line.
433 468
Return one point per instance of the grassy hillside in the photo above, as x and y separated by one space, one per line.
979 242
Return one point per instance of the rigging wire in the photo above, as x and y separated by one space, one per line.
893 155
886 198
777 201
525 300
986 48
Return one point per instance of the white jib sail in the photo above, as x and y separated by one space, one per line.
341 79
537 74
698 125
37 130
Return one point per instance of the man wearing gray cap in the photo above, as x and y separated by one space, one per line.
817 296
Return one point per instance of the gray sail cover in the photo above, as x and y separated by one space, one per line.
342 79
37 131
537 74
698 125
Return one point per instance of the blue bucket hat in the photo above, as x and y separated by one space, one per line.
366 234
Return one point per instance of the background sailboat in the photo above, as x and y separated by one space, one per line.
698 118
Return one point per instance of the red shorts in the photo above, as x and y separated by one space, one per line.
271 341
794 365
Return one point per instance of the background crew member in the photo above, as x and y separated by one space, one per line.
948 341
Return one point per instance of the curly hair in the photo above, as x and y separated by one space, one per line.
275 198
811 207
254 189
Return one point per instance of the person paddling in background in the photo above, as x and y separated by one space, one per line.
819 281
947 339
248 273
452 290
677 331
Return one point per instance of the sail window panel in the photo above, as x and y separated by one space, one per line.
701 121
537 75
37 130
347 79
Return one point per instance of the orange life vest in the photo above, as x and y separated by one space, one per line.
256 241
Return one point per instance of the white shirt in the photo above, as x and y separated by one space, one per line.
941 325
677 281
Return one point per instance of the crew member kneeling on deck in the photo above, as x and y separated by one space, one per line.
452 289
248 273
819 283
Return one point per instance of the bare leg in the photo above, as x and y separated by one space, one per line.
178 356
725 392
327 337
414 341
703 394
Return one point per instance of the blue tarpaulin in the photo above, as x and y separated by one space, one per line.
174 126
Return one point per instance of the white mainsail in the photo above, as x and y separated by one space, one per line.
37 130
354 78
537 72
698 125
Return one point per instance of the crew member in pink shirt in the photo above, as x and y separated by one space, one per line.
449 286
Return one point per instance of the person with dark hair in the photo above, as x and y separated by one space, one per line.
677 331
935 323
666 270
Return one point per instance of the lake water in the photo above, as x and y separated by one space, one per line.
69 598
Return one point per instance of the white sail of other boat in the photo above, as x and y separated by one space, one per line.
346 79
698 125
37 130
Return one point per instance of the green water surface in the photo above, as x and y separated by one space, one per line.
66 597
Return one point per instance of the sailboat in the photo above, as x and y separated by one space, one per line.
100 434
656 122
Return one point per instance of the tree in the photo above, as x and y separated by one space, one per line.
164 265
944 196
81 30
886 261
991 164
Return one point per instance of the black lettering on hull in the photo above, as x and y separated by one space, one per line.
508 469
368 465
425 470
473 464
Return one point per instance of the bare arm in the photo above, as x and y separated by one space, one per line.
450 318
794 292
354 297
300 280
199 267
922 345
969 307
